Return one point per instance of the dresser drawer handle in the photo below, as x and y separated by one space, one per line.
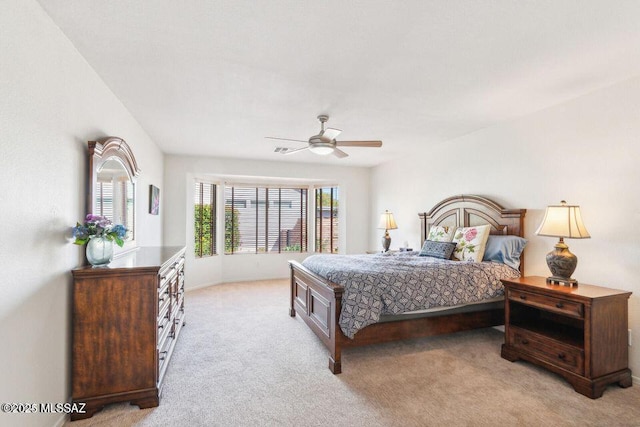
161 326
525 342
163 355
561 356
523 296
559 305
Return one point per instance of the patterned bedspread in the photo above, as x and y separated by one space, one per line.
400 282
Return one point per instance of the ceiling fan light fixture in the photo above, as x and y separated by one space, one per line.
322 149
325 142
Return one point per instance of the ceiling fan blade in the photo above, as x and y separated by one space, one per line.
359 143
295 150
339 153
331 133
285 139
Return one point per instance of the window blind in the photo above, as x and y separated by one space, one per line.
265 219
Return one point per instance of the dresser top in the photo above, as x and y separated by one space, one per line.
144 257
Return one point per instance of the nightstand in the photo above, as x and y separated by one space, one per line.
578 332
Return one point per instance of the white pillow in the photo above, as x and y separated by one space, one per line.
439 233
470 242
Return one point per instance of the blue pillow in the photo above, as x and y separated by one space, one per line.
441 250
504 249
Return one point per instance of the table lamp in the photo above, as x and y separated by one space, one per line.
562 221
387 223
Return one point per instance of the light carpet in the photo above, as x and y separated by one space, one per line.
242 361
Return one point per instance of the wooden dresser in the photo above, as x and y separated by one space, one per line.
578 332
126 320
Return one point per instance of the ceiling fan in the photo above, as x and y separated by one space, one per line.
325 142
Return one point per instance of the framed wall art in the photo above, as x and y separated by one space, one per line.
154 200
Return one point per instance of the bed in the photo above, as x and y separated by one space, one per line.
319 301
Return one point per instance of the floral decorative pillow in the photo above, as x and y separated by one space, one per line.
438 233
470 242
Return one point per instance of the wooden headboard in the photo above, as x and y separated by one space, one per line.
470 210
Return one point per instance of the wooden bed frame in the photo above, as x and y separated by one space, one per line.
318 301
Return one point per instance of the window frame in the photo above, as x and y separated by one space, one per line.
199 189
334 219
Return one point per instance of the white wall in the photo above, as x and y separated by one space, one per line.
585 151
51 103
180 172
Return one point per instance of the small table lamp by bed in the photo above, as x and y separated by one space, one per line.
562 221
387 223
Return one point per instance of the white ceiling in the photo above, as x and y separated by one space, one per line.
207 77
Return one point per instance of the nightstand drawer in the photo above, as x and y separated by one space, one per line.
554 305
547 349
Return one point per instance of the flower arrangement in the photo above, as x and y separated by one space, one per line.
99 226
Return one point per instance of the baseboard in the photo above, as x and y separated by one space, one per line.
194 288
189 289
62 420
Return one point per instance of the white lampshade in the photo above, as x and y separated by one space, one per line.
387 222
563 221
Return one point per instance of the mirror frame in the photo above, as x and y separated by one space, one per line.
99 152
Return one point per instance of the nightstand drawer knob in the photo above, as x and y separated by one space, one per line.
561 356
525 342
523 296
559 305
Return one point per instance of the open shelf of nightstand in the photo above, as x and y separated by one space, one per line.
556 327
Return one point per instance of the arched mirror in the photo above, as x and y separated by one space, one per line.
112 184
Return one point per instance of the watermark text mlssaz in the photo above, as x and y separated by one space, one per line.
44 408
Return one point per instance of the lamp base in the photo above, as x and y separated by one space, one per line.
553 280
386 241
562 264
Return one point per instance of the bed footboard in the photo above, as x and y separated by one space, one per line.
318 302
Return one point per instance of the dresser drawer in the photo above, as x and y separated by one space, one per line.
170 272
165 327
163 358
163 311
179 263
547 349
163 296
551 304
